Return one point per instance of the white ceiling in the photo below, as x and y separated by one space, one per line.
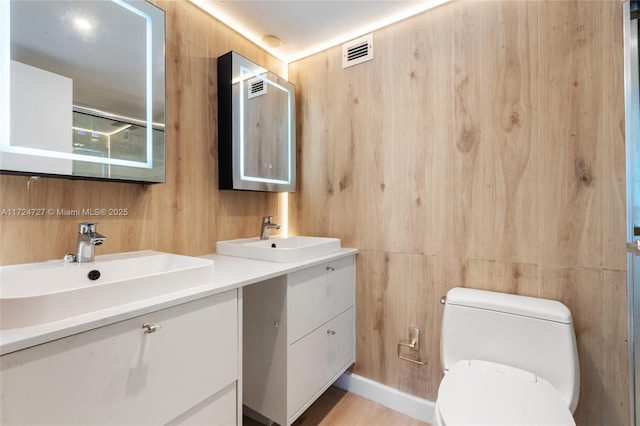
305 27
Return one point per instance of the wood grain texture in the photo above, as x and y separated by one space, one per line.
496 121
571 183
398 291
482 147
602 338
613 140
185 215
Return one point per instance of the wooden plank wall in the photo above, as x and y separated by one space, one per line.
482 147
187 214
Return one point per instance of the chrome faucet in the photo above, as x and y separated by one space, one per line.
266 226
88 238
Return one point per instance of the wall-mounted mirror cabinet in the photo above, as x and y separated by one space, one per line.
82 89
256 127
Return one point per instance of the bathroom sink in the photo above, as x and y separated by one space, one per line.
38 293
279 249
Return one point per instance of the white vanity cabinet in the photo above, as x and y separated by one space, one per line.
174 366
298 337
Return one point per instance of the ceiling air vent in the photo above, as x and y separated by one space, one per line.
357 51
257 87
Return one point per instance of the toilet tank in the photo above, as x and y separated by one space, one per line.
525 332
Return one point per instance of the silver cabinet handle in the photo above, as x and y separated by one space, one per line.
331 268
331 332
149 328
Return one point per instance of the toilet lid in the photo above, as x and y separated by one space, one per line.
486 393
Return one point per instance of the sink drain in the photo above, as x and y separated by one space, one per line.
94 275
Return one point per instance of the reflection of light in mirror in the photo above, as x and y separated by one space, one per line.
246 74
82 24
74 157
118 117
80 130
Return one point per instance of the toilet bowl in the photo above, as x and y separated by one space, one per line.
508 360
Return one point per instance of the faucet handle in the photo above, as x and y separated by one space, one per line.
267 219
87 227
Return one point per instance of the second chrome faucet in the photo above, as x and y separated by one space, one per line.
267 226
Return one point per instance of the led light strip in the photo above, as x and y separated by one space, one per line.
149 28
218 13
243 176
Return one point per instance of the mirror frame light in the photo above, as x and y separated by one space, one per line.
245 75
234 72
5 99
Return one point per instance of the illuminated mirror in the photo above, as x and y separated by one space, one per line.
256 128
82 89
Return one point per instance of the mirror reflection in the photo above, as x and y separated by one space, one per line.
86 89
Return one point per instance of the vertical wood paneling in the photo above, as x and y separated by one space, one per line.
337 167
571 184
615 370
396 291
613 141
482 147
187 214
496 162
597 300
577 288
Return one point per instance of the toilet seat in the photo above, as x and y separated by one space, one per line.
486 393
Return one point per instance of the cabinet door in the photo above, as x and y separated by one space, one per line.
120 375
317 360
315 295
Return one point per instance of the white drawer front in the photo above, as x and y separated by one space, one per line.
317 294
317 358
218 410
119 375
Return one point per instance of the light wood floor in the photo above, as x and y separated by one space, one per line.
337 407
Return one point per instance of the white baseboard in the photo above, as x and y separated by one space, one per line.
412 406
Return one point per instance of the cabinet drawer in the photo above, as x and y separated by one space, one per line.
317 294
219 409
317 359
120 375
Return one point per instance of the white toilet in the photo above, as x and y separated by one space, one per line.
508 360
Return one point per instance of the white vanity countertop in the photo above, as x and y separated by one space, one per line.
230 273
